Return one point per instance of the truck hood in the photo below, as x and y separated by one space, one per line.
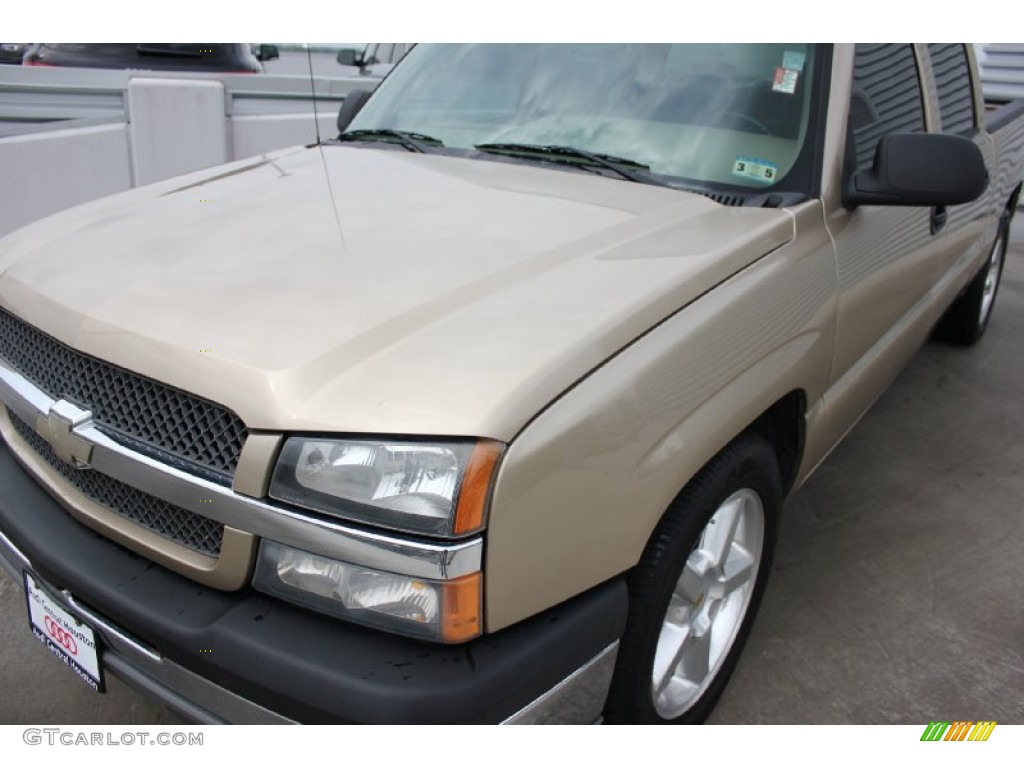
354 289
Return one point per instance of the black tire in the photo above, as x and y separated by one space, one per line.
967 318
744 471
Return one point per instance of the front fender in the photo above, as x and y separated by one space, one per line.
582 487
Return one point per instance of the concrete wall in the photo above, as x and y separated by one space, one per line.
256 134
162 114
44 173
141 129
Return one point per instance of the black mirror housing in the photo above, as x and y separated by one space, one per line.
268 52
353 102
920 169
348 57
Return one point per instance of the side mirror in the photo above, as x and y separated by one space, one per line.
920 169
267 52
353 102
348 57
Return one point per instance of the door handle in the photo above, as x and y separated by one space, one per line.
938 218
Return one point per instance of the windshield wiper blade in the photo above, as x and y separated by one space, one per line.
414 142
623 166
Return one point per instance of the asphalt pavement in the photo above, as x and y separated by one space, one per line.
895 596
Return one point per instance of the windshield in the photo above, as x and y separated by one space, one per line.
718 114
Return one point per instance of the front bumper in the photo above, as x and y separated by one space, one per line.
244 657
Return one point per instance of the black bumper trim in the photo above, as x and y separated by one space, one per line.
302 665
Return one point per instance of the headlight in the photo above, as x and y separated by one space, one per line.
439 488
448 611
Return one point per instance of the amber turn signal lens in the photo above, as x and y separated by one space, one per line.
476 487
461 608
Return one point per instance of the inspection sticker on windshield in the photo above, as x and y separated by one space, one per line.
785 80
68 639
753 168
793 60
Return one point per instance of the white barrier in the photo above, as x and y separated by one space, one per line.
47 172
176 127
256 134
1001 66
111 130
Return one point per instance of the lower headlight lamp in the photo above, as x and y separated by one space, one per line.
446 611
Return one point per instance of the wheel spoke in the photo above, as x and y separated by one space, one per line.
697 657
691 580
738 571
672 646
680 611
721 530
678 689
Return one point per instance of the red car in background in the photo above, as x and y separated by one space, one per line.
203 57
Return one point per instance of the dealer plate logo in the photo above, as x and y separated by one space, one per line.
70 640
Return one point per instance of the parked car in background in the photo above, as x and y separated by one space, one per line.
12 53
202 57
376 59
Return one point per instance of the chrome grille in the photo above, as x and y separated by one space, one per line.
173 426
179 525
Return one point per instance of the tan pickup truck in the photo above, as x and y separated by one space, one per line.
485 410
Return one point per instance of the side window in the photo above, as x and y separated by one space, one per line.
953 80
886 97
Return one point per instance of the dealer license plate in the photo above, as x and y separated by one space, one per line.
71 641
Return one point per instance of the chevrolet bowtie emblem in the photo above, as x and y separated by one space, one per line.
57 428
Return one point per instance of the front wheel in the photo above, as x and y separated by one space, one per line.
696 589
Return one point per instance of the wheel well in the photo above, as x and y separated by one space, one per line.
783 426
1011 206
